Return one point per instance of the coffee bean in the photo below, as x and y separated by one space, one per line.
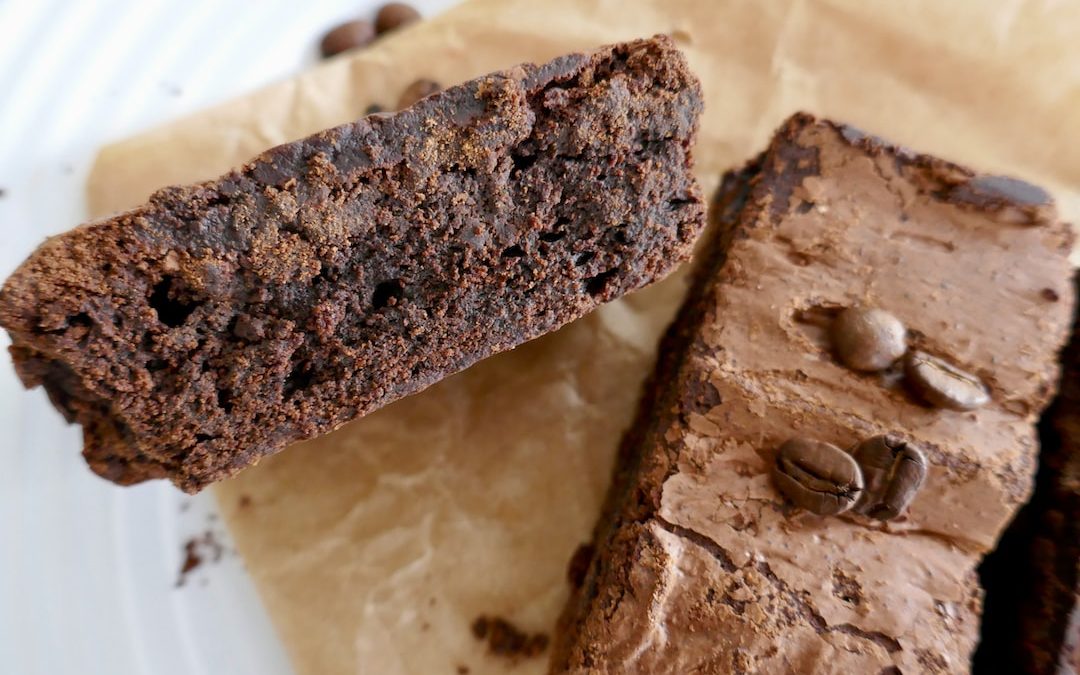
1008 189
347 36
942 384
867 339
817 476
893 471
417 90
393 16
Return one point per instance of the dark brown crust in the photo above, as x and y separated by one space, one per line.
330 276
635 491
1031 623
757 193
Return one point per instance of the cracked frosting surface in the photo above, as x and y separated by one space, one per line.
702 567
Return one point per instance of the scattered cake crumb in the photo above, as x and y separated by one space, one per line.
244 502
198 550
505 639
463 670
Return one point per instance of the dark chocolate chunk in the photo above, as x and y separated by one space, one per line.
505 639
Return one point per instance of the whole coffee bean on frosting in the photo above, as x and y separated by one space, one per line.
817 476
942 384
867 339
893 471
417 90
347 36
393 16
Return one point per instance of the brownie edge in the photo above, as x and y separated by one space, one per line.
221 321
1032 579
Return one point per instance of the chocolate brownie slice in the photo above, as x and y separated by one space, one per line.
701 564
1032 622
330 276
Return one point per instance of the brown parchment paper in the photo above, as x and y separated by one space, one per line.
375 547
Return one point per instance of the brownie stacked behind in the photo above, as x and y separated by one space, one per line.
700 564
330 276
1032 580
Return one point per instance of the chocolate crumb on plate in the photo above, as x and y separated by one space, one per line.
505 639
192 559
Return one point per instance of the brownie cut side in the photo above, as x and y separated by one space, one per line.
699 563
330 276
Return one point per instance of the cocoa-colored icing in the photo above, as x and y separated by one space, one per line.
701 566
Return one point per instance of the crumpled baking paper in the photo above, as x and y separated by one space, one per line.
375 548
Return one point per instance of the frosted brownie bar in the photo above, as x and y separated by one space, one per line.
700 563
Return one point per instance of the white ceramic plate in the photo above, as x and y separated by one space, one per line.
88 570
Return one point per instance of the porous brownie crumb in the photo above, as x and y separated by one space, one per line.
327 277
